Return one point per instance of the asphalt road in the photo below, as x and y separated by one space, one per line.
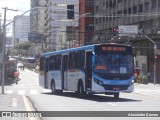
145 98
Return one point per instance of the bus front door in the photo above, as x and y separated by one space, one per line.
64 71
88 69
46 72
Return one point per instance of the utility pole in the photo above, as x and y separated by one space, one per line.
3 47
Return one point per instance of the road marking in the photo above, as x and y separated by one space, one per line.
27 106
46 90
147 90
149 96
33 92
21 92
9 91
111 104
14 102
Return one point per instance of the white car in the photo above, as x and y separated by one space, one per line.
20 65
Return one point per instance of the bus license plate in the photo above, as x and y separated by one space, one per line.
116 88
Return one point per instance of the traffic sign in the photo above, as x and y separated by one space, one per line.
127 30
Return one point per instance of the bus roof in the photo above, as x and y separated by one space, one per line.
80 48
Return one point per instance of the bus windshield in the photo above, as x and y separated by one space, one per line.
113 64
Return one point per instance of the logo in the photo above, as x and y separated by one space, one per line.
6 114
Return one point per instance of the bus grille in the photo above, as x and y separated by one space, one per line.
116 87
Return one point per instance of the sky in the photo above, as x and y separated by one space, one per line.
20 5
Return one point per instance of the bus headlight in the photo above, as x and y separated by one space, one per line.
98 82
132 82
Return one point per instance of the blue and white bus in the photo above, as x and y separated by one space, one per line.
93 69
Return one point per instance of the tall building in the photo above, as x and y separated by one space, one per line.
37 24
58 24
37 14
21 28
110 14
86 21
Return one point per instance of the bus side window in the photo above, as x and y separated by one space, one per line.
58 62
80 59
52 63
72 60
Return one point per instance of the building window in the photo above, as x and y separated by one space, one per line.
97 8
134 9
120 1
89 3
129 10
154 2
146 6
125 11
140 8
89 27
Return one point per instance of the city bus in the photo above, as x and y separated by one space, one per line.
94 69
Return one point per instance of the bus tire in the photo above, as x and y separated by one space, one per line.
53 88
116 95
81 89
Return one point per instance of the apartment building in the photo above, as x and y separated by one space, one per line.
37 24
37 14
58 25
21 29
110 14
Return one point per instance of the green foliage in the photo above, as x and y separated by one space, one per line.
23 46
142 79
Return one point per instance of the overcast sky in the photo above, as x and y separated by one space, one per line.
21 5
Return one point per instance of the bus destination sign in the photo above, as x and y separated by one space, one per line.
106 48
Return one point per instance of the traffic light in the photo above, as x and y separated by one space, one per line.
114 31
70 11
157 58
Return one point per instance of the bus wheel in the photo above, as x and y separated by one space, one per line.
53 88
81 90
116 95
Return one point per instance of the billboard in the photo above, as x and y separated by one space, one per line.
36 37
127 30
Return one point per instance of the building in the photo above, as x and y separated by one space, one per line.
20 29
109 14
37 24
86 22
58 35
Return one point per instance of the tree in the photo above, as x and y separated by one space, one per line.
22 48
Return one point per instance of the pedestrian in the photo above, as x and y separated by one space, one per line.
149 76
135 76
16 74
23 67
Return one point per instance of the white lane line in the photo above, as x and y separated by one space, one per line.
111 104
14 102
21 92
9 91
33 92
146 90
46 90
